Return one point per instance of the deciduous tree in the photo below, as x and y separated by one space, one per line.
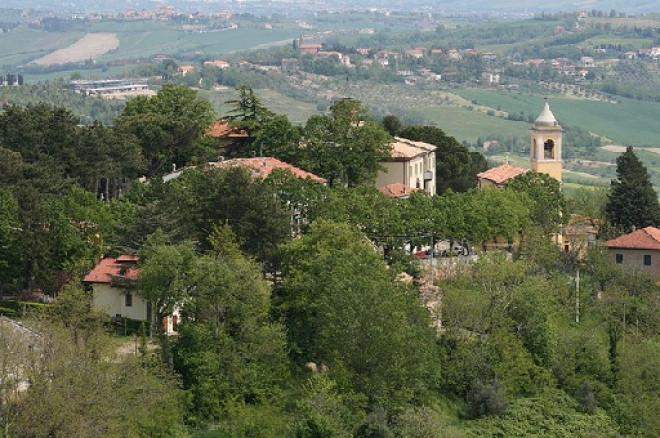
167 125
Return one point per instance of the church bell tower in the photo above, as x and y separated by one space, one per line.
545 151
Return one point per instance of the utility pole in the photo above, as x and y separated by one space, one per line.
577 296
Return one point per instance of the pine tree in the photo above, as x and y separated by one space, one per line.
632 202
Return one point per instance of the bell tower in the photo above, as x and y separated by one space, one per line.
545 151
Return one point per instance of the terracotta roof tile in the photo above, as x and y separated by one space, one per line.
221 128
502 173
404 149
645 238
263 166
122 266
397 190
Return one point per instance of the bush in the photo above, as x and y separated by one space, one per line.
6 311
586 396
485 400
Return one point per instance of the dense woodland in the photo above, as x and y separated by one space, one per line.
297 319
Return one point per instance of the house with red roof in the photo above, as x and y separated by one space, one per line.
411 165
397 191
112 281
263 166
500 175
641 248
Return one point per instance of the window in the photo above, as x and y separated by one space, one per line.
128 299
549 150
619 258
647 260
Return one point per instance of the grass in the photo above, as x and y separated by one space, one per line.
630 122
23 44
469 125
139 40
631 43
298 112
171 42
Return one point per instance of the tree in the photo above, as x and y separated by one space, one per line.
41 131
632 201
163 270
278 138
345 147
249 114
547 203
457 166
248 111
80 386
167 125
342 305
106 156
229 353
9 229
392 124
250 206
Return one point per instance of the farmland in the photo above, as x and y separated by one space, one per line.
630 122
90 46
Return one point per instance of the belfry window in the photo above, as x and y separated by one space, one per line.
549 150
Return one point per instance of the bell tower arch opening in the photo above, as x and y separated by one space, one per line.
546 144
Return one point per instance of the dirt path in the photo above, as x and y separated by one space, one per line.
91 45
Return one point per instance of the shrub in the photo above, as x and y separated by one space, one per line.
485 400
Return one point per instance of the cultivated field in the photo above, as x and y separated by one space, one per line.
628 122
91 45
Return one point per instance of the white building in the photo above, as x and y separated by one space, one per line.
111 295
411 164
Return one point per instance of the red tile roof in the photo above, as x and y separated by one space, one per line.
404 149
122 266
397 190
645 238
221 128
502 173
263 166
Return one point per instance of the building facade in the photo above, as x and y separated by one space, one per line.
639 249
546 145
110 283
411 164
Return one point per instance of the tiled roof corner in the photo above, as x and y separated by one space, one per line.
263 166
397 190
110 267
502 173
644 238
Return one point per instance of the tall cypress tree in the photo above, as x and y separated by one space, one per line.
632 202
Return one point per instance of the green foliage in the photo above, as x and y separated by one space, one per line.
552 413
83 388
486 400
324 411
547 200
230 355
457 166
167 125
632 201
345 147
250 206
340 305
163 272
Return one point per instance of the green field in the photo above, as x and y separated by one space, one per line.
630 122
140 40
469 125
23 44
297 112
